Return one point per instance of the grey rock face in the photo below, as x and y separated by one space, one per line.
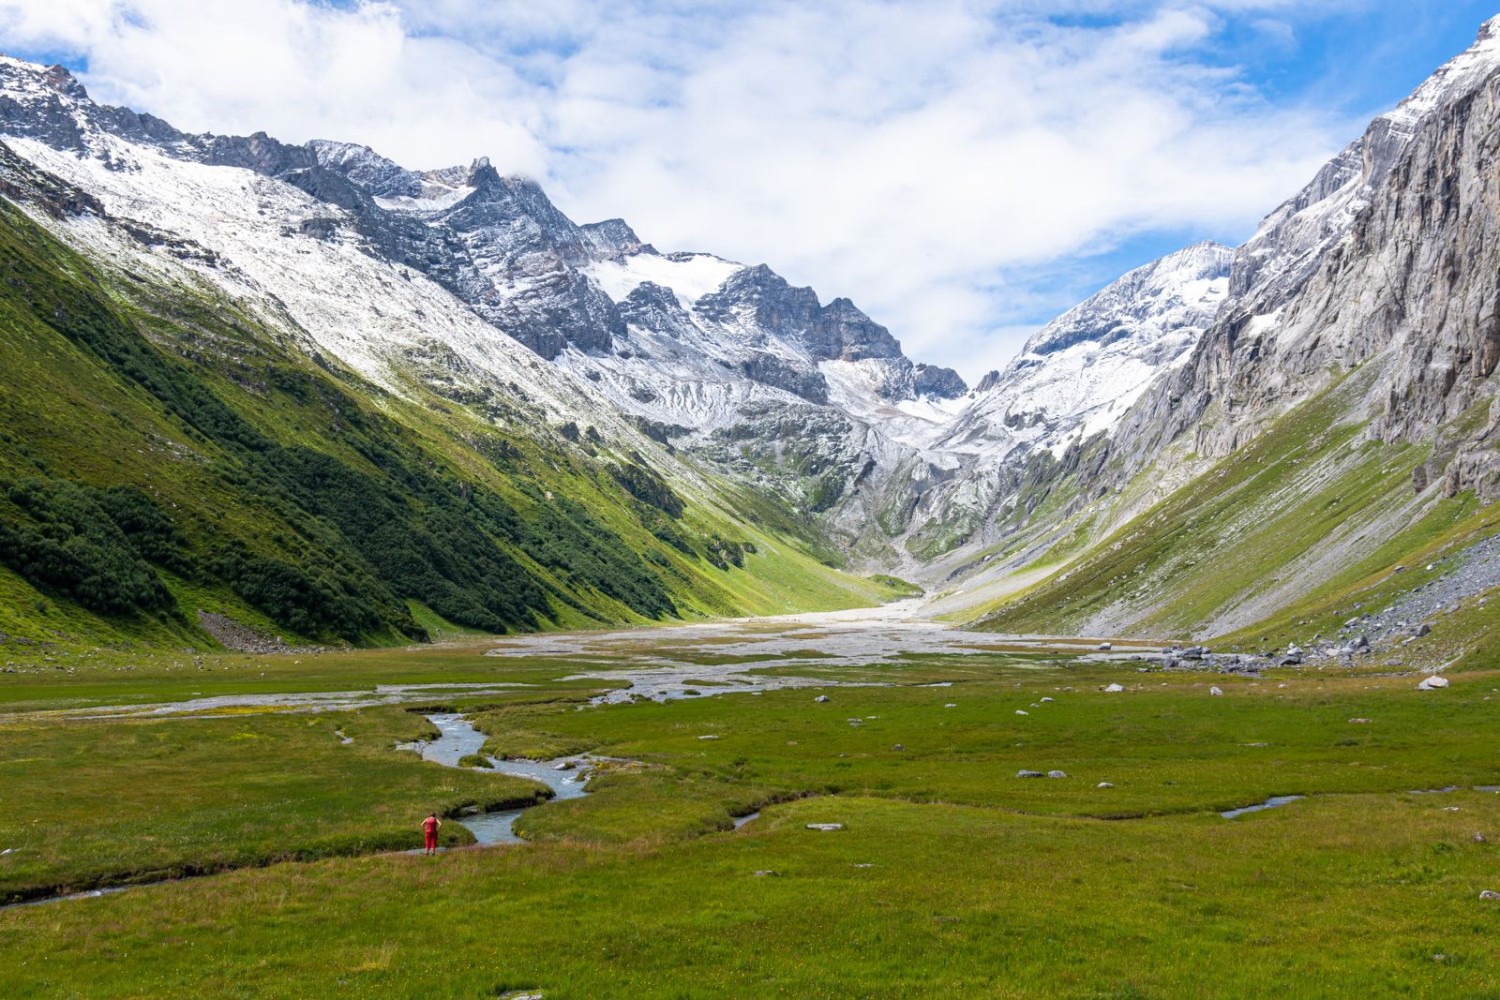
769 369
654 308
612 238
1387 259
944 383
759 296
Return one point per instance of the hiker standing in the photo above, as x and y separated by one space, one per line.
430 827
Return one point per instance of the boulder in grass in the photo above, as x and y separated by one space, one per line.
1105 647
1105 784
1216 691
1432 683
1114 688
825 827
1023 773
1489 894
821 699
1057 774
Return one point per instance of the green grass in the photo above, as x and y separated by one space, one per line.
113 802
952 877
1256 537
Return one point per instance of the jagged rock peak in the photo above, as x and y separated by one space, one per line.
943 383
64 82
613 238
1183 288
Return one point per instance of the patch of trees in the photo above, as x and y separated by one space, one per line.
370 531
647 486
94 546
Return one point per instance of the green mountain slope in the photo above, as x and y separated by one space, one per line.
163 455
1286 539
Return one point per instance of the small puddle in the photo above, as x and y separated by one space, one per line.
1271 803
459 739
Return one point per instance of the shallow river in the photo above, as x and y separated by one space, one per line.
566 776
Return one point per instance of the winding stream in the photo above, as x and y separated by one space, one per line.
565 776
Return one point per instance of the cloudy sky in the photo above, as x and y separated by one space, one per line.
963 169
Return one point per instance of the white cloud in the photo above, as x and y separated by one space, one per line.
918 158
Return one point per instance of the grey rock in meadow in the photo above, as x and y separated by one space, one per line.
821 699
1105 647
1489 894
1432 683
767 873
1023 773
1216 691
1422 630
1057 774
1114 688
1105 784
825 827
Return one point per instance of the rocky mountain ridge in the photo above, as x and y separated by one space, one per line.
1367 300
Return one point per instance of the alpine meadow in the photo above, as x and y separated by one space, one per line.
738 653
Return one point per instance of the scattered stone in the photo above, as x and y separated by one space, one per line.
1479 838
1290 661
1105 647
1105 784
568 765
863 864
1489 894
821 699
1432 683
1114 688
1216 691
1022 711
1057 774
710 736
1047 698
1358 722
951 704
825 827
767 873
1023 773
1399 569
899 746
1421 630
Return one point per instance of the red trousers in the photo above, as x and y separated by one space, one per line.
430 836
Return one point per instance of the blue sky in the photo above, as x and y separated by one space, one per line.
963 169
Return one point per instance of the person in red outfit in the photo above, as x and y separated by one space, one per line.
430 827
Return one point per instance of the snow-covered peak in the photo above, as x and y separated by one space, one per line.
1081 372
1175 290
1456 77
690 275
1290 243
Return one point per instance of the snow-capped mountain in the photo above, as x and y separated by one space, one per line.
1080 373
474 285
1383 258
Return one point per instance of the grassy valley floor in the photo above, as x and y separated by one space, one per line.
950 877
